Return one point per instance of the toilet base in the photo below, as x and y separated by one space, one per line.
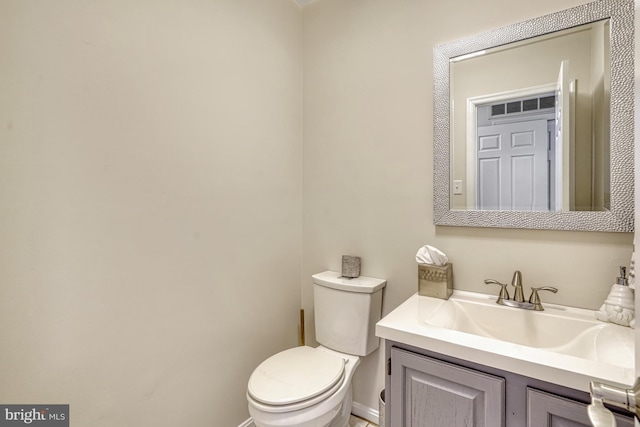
336 417
342 419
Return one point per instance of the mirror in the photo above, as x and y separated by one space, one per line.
515 146
533 123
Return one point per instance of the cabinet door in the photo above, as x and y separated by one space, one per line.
426 392
549 410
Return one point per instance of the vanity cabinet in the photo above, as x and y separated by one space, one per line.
427 389
548 410
429 392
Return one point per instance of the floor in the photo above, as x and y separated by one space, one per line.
359 422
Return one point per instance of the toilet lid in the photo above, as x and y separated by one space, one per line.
295 375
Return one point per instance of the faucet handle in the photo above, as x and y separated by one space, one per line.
535 298
504 294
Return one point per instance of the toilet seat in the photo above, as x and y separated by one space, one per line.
295 379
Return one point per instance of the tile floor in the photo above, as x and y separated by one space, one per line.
359 422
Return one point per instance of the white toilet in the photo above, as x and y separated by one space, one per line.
311 387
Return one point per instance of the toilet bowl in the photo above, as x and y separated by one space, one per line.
302 387
311 387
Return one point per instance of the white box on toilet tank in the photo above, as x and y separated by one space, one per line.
346 312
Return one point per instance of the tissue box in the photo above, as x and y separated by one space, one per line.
435 281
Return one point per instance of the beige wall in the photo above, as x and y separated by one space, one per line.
367 161
149 204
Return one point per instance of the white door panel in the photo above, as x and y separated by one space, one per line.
522 182
489 183
513 167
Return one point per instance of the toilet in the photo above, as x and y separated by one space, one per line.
311 387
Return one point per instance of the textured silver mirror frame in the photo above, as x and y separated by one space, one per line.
621 216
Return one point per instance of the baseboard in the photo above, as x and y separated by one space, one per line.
357 409
362 411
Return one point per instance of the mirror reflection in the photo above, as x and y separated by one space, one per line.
530 124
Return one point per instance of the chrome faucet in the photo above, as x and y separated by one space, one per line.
518 297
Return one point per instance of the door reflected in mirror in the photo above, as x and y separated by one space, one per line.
530 124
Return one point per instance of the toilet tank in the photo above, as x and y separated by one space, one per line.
346 312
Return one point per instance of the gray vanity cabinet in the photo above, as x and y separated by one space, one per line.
549 410
427 389
431 393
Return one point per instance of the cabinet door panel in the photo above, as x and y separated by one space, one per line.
430 393
549 410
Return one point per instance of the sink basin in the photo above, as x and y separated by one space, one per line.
564 330
562 345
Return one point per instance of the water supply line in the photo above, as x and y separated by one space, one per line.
302 326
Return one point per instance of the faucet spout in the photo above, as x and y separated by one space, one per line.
517 283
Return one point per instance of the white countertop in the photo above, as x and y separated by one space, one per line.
407 324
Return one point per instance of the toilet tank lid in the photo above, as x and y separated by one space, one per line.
334 280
